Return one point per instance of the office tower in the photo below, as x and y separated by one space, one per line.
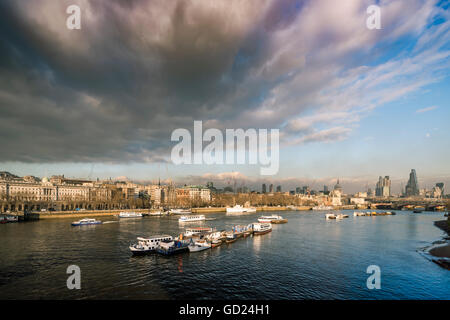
412 187
383 187
264 188
271 188
278 188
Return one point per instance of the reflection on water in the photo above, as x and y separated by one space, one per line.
307 258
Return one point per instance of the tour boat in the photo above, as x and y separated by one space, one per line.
261 228
130 215
272 219
191 218
85 222
239 209
180 211
199 246
169 247
359 214
148 245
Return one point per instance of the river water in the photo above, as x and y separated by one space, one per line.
307 258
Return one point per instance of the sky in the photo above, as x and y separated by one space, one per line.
350 102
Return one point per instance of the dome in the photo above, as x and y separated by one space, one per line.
44 179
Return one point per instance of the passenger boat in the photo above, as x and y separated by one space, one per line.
272 219
240 209
169 247
341 216
3 220
231 237
85 222
191 218
261 228
148 245
329 216
199 246
189 232
125 214
359 214
180 211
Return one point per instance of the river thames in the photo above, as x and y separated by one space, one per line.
307 258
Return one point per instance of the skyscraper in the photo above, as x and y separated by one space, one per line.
412 188
264 189
278 188
383 187
271 188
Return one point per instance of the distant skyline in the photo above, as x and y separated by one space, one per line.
350 103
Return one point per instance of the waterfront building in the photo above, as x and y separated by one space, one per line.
412 187
383 187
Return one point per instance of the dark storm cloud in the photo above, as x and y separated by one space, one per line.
114 90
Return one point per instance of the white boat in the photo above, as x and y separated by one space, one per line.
199 246
148 245
261 228
189 232
130 215
329 216
12 218
239 209
272 219
155 213
191 218
85 222
359 214
180 211
322 207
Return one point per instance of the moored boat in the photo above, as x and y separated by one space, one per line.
169 247
148 245
261 228
199 246
215 243
126 214
272 219
10 218
231 237
322 207
191 218
180 211
329 216
189 232
240 209
85 222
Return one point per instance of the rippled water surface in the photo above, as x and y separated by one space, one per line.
308 258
